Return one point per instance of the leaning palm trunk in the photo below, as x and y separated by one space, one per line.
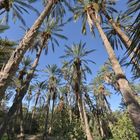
13 63
19 97
126 90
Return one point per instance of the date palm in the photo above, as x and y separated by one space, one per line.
90 11
45 36
122 21
103 111
16 57
53 73
78 65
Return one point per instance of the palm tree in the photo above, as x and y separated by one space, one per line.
78 65
16 57
53 73
103 111
45 36
122 21
39 87
18 7
91 13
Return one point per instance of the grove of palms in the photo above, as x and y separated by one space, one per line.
60 83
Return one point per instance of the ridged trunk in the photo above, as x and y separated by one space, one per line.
126 90
16 57
22 136
81 106
19 97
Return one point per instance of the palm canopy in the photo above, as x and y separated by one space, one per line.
6 48
49 33
122 21
17 7
78 52
80 11
53 74
134 8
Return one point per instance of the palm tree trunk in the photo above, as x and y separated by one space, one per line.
34 111
46 119
36 101
87 128
81 106
13 63
50 129
19 97
126 90
21 123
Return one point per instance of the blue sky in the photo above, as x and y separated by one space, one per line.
73 32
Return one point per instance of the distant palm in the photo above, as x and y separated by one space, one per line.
53 73
77 64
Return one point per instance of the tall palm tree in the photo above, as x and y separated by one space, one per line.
53 30
91 13
16 57
78 65
53 73
39 87
103 111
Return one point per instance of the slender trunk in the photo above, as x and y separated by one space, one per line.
87 128
46 119
126 90
36 101
21 122
16 57
81 106
19 97
34 111
50 129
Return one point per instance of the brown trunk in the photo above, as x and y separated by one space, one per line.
22 137
36 101
19 97
87 129
46 119
128 94
81 106
13 63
